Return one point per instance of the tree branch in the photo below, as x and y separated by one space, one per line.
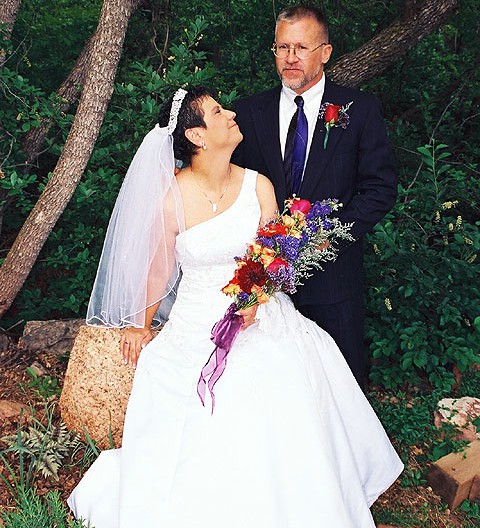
371 59
68 92
99 80
8 15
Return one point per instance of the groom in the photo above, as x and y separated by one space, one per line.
285 138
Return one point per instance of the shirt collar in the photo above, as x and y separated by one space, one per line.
315 93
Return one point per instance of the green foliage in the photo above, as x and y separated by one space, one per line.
409 420
39 512
472 508
45 386
416 265
61 280
42 447
46 446
422 268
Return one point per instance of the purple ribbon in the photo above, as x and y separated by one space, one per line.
224 334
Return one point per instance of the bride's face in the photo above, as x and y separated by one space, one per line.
221 129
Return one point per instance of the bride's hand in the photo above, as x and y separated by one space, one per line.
132 342
249 315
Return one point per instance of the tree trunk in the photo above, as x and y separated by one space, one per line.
69 91
389 45
8 14
98 89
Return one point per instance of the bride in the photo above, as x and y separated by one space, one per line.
292 443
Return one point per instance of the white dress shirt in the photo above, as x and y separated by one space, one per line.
312 100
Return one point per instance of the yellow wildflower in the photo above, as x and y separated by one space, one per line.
449 205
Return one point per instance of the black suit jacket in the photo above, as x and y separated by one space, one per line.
356 167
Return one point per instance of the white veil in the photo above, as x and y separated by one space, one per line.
138 266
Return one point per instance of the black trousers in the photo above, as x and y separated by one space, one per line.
344 321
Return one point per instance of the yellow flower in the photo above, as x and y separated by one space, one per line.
231 289
459 221
262 297
376 249
255 249
437 216
288 221
267 256
297 233
388 304
449 205
450 226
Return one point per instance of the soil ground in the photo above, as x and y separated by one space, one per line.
419 501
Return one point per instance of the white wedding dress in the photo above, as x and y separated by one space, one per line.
292 442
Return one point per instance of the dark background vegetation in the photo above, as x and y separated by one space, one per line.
423 310
422 288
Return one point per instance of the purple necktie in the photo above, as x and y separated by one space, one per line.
296 148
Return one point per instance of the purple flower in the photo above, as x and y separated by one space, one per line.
265 241
326 224
283 279
243 297
289 246
312 226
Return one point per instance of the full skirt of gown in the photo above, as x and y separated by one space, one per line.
292 442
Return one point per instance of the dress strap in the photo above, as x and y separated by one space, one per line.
250 184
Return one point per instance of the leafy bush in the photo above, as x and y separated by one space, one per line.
423 301
62 278
39 512
44 445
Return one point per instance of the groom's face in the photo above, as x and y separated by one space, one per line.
301 74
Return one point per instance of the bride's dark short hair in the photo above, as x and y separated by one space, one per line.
190 115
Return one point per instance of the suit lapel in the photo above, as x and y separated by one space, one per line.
319 157
266 123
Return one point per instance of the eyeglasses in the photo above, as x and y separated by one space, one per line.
282 51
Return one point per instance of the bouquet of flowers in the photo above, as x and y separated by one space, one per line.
283 254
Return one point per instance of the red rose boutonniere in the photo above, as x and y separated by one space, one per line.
335 116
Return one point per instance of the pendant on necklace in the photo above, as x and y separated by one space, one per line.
214 207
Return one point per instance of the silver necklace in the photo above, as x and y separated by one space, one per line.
212 203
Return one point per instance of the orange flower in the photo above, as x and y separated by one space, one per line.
323 245
262 297
288 221
255 249
232 288
267 256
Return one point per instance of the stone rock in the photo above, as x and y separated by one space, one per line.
97 386
4 343
474 495
12 411
453 475
461 412
55 337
